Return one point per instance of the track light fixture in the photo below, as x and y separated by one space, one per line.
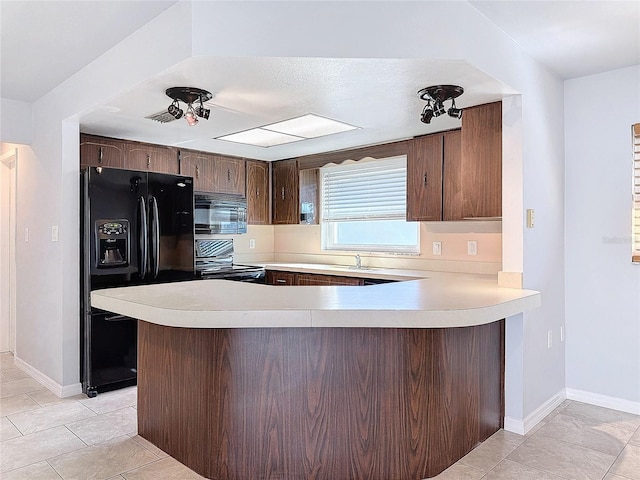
175 110
189 96
453 111
427 113
435 97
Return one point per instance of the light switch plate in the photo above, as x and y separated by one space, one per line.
472 247
437 248
252 243
531 218
54 233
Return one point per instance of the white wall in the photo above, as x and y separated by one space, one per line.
15 121
357 30
47 304
603 287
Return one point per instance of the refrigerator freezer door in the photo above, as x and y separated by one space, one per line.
113 353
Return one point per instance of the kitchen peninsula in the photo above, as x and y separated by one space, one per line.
383 382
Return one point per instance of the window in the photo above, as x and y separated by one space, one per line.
364 207
636 194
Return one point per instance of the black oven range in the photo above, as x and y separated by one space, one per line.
214 260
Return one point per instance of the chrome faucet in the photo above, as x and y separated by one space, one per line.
358 262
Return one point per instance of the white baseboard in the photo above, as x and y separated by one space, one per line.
522 427
604 401
61 391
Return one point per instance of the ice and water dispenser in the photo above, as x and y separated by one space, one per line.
112 243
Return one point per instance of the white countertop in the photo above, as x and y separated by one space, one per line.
435 300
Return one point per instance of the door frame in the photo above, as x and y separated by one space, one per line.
9 166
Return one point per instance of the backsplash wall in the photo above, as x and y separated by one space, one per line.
302 244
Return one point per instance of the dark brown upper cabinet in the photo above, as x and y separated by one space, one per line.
101 152
285 192
482 161
257 192
433 177
200 166
151 158
457 175
229 175
424 178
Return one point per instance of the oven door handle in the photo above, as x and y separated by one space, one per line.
143 237
117 318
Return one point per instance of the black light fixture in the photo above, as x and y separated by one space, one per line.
427 113
189 96
175 110
438 94
453 111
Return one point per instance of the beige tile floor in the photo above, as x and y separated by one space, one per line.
43 437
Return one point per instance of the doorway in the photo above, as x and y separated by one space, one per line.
8 165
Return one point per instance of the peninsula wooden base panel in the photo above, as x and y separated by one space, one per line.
319 403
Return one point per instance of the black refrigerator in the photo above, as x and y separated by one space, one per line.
136 228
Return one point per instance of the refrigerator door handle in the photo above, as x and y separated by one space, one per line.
143 239
155 233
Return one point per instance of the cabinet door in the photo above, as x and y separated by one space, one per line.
200 166
309 186
151 158
319 279
452 196
274 277
101 152
314 279
257 193
424 178
285 192
230 175
482 161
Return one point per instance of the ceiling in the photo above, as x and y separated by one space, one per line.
572 38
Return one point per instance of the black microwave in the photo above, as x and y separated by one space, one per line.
220 214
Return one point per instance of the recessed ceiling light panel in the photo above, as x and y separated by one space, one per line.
310 126
260 138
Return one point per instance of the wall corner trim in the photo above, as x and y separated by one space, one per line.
61 391
605 401
522 427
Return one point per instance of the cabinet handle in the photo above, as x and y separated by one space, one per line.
228 175
100 155
282 193
280 280
424 180
197 171
148 161
257 192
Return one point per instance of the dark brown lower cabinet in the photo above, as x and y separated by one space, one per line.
274 277
319 403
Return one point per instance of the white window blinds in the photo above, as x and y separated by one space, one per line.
367 190
636 193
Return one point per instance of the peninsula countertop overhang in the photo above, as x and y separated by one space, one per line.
438 300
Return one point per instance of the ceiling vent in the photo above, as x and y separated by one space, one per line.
162 117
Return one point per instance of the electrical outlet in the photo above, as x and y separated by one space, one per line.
54 233
437 248
549 338
252 243
472 247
